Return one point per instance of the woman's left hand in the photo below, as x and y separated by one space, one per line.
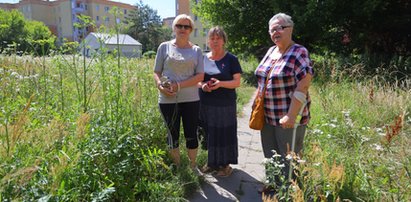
287 121
215 84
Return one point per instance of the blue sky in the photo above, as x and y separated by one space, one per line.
165 8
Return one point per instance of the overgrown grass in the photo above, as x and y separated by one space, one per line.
53 147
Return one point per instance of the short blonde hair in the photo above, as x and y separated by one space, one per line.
183 17
218 31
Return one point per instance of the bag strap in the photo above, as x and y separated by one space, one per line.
269 72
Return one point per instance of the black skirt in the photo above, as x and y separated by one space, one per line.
220 126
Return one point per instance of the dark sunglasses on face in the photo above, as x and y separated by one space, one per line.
181 26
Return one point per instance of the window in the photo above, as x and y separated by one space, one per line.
97 18
106 9
107 19
97 7
59 19
125 11
195 18
205 32
85 7
195 32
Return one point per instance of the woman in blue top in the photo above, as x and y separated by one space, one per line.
218 104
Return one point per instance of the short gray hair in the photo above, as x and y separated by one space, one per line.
218 31
183 17
281 17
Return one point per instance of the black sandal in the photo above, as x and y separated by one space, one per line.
266 189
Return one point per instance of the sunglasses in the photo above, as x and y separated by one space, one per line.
183 26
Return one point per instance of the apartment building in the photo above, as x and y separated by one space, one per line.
199 34
61 15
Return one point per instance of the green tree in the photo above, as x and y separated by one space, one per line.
26 36
38 38
146 26
369 26
11 28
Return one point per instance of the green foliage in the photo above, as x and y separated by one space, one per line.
11 28
349 27
39 38
149 54
19 36
146 26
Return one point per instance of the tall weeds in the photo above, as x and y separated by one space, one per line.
53 150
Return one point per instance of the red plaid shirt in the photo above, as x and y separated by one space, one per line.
291 68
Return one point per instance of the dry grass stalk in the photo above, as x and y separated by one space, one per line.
82 123
336 175
395 128
18 127
298 194
268 198
371 95
58 168
21 176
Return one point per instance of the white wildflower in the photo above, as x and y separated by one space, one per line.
14 74
379 130
378 147
280 165
317 131
301 161
276 155
332 125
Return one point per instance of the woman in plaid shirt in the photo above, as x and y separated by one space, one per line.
287 71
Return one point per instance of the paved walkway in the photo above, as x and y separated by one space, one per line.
247 176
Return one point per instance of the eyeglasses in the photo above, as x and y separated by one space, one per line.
277 29
181 26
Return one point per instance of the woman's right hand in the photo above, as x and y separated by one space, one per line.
205 87
166 91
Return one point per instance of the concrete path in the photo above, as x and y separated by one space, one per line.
247 176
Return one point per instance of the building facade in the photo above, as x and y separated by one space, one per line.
61 15
199 34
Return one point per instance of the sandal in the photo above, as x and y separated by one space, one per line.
265 189
225 172
207 169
